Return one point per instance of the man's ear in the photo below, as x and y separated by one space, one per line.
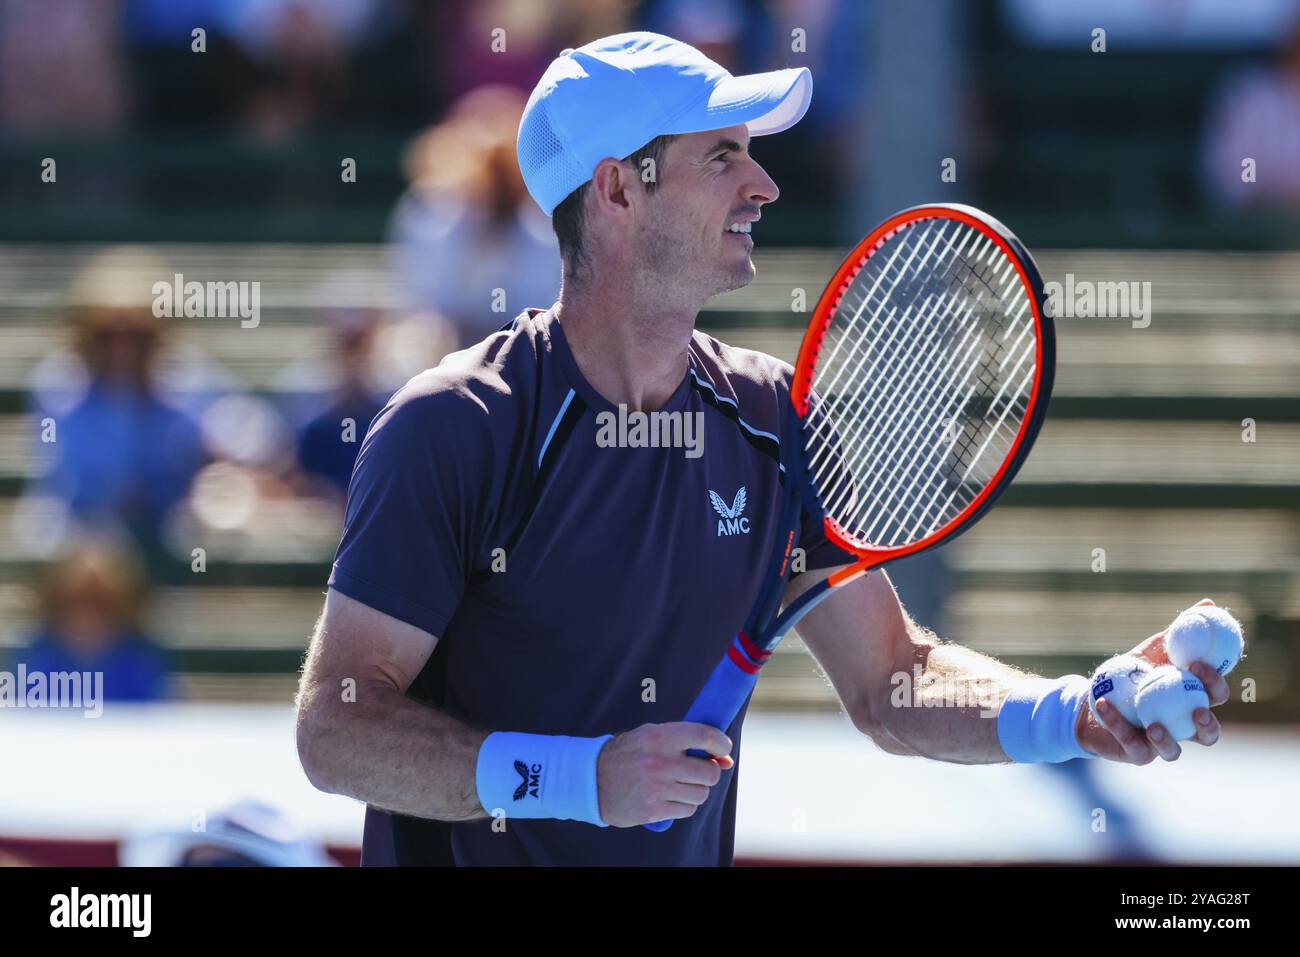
609 185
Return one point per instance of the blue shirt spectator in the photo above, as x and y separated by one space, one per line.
134 668
92 599
322 450
127 453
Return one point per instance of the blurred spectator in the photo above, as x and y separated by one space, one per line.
469 244
173 85
510 42
92 601
324 452
246 834
299 50
121 452
714 27
61 67
1257 115
276 68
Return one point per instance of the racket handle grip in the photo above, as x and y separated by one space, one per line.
723 695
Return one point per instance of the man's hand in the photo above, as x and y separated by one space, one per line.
1118 740
645 775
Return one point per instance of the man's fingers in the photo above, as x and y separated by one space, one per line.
689 736
648 774
692 770
1216 686
1207 726
1136 747
675 811
681 800
1153 649
692 794
1141 746
1163 742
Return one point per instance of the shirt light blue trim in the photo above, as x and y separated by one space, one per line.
743 424
554 425
731 402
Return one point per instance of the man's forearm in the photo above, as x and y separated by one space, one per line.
390 752
943 704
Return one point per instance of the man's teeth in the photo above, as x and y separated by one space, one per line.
739 228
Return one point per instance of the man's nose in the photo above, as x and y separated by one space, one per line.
761 189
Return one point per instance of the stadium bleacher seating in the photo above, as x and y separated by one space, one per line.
1142 456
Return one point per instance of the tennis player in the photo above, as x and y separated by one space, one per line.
530 591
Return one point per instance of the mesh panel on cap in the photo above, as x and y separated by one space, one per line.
550 172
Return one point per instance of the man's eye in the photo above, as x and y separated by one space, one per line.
721 156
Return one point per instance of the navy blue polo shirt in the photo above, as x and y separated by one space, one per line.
576 587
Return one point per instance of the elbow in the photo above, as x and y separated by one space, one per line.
866 718
869 715
310 735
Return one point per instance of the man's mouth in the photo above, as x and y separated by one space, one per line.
743 228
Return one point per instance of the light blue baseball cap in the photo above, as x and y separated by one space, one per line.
614 95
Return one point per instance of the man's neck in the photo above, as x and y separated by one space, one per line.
632 349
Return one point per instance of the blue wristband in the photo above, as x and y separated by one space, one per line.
540 776
1036 721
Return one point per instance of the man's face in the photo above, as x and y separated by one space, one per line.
710 183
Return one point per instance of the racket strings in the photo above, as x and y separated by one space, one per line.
833 383
875 396
923 382
890 454
918 507
892 460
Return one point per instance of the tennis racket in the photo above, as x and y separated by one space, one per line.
920 386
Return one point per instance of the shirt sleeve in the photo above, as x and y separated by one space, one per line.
820 552
410 526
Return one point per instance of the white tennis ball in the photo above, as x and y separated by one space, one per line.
1205 633
1117 681
1168 695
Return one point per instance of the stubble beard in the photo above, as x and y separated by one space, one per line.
674 268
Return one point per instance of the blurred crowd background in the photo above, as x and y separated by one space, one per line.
171 489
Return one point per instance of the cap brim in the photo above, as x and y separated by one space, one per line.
765 102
